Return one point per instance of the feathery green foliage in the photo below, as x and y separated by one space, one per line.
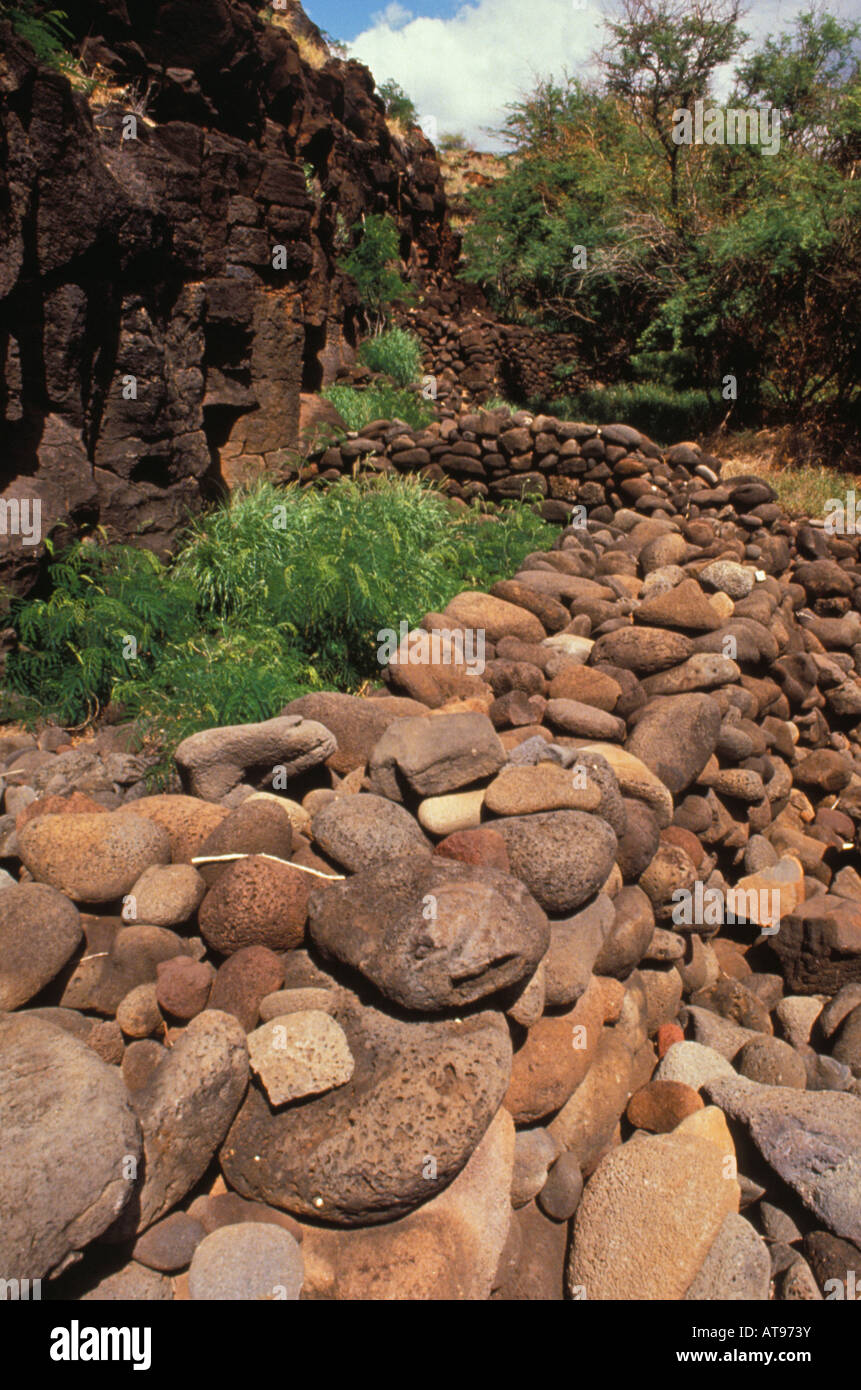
274 593
395 352
45 31
73 646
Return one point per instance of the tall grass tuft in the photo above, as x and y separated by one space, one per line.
381 401
396 352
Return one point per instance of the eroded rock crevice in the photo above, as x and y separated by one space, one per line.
169 280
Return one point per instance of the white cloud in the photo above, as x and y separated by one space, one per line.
464 70
461 72
394 16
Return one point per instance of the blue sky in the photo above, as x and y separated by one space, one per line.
461 61
344 19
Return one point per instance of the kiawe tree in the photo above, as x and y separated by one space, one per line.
726 266
661 57
398 105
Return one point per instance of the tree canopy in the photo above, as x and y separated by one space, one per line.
690 263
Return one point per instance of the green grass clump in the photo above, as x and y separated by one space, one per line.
396 352
276 592
804 490
357 408
662 412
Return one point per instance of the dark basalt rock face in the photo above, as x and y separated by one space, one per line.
153 344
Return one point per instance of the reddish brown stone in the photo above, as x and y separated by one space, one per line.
684 839
554 1059
243 980
256 902
660 1105
668 1033
484 847
75 805
183 986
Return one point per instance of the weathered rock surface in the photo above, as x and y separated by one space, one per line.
70 1145
431 934
359 1155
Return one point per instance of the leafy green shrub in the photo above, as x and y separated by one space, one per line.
395 352
374 264
328 569
274 593
358 408
493 551
233 555
692 261
398 105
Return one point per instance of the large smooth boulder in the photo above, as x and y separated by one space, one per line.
448 1248
92 858
357 724
185 1110
420 1099
431 933
40 930
70 1146
812 1140
360 831
648 1218
675 736
563 857
435 755
214 761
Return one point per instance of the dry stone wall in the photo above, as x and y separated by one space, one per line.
474 357
535 974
